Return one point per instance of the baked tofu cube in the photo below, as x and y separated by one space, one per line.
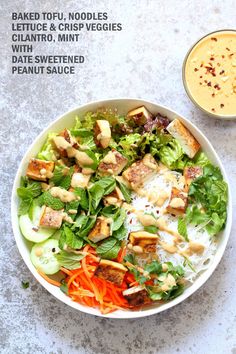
178 202
187 141
112 164
64 141
101 230
111 271
136 296
51 218
142 242
190 174
102 133
114 198
40 170
79 180
140 171
139 115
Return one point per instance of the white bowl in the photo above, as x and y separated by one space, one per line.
67 120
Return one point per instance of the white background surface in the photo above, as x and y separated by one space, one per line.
144 60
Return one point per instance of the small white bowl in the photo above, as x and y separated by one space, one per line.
123 105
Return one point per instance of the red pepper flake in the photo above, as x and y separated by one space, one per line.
227 49
223 56
128 212
214 39
201 65
222 105
209 83
213 109
131 221
200 77
205 81
212 58
196 69
230 55
217 87
222 72
213 95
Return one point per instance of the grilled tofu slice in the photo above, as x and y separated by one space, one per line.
101 230
140 171
142 242
139 115
102 133
178 202
79 180
187 141
111 271
190 174
40 170
136 296
64 141
114 198
51 218
112 164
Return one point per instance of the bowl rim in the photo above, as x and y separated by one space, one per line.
216 116
121 314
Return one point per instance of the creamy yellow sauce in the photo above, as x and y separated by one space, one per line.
210 73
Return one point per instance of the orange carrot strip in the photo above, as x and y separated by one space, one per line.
49 280
66 271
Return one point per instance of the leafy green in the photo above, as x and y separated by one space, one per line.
69 238
129 144
81 132
182 228
64 287
153 267
109 248
107 183
121 233
87 122
96 192
211 192
47 152
84 200
69 260
130 258
27 191
25 284
125 191
151 229
47 199
170 153
62 176
118 219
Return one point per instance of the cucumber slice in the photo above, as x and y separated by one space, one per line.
43 256
30 229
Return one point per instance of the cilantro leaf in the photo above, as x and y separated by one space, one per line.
182 228
47 199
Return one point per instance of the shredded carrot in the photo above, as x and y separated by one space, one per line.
87 289
49 280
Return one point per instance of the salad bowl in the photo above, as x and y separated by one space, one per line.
122 105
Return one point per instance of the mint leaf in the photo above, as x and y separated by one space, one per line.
84 200
153 267
62 176
69 260
125 191
119 219
121 233
71 239
47 199
106 245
